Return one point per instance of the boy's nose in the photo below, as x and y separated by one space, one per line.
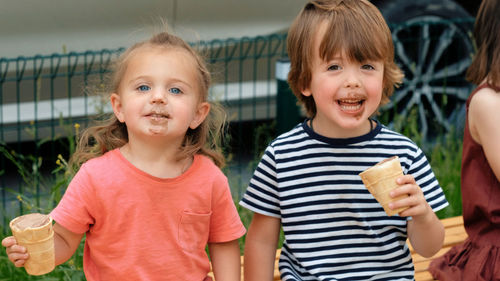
351 79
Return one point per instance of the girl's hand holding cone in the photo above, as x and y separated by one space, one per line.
17 254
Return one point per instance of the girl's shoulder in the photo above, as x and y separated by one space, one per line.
108 159
205 164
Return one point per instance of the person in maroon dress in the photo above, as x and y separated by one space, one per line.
478 258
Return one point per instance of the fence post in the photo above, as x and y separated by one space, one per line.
287 110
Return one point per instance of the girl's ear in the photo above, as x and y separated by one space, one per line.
116 104
200 115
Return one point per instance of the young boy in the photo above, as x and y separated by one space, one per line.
342 70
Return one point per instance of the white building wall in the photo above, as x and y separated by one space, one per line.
29 27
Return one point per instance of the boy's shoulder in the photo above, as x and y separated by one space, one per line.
389 133
297 133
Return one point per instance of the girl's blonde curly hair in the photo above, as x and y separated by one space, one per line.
110 133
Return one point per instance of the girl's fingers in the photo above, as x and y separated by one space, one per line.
16 249
8 241
18 259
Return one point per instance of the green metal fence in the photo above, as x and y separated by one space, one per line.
42 97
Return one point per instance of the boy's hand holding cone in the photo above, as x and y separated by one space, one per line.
380 180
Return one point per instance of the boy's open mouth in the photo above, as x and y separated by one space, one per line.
350 104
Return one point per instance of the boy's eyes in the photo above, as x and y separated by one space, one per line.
334 67
367 67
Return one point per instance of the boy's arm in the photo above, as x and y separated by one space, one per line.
425 230
226 263
65 243
260 248
426 234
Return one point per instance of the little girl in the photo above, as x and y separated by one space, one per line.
150 195
478 258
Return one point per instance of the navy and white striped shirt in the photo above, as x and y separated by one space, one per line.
334 228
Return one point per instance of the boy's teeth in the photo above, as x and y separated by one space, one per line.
350 104
350 107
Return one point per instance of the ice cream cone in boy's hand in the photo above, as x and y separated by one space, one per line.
34 232
380 180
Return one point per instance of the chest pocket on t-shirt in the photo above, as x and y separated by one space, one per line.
193 230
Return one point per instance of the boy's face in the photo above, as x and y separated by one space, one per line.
346 93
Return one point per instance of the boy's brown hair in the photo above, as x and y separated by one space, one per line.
355 27
486 62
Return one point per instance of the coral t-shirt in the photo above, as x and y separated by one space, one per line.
140 227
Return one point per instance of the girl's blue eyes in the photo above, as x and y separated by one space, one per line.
143 88
175 90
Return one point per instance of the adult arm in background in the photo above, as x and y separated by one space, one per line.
484 117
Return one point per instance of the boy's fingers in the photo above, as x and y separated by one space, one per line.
401 190
405 179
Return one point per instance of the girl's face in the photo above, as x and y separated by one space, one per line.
159 94
346 93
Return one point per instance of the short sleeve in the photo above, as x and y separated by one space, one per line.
225 223
421 170
262 194
74 210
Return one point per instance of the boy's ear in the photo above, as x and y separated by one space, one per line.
200 115
306 92
117 106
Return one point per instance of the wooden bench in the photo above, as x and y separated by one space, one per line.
454 234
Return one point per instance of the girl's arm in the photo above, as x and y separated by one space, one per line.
425 230
483 125
260 248
226 262
65 244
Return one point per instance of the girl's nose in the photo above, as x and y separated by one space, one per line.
158 96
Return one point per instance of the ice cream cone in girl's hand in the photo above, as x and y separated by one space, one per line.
381 179
34 231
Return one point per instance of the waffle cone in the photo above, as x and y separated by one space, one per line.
380 180
38 239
